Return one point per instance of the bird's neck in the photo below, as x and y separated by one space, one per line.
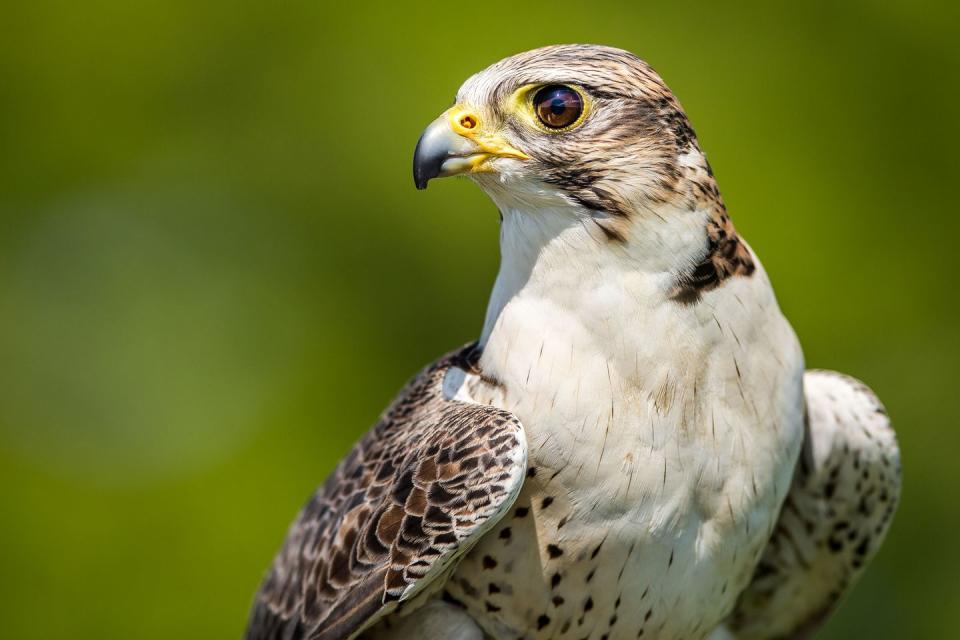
559 257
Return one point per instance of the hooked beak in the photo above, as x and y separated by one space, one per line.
453 144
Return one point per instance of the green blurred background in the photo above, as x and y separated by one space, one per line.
215 270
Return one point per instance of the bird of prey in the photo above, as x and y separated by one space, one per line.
632 448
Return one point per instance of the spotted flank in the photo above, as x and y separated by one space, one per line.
835 518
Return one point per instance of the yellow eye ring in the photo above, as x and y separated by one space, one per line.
554 108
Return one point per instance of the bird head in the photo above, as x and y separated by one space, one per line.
589 126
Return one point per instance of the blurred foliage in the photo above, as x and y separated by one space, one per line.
215 271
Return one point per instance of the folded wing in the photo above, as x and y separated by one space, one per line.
416 493
835 517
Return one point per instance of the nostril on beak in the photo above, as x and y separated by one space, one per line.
464 122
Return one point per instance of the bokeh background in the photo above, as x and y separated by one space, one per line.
215 270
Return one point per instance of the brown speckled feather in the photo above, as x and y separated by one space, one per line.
414 494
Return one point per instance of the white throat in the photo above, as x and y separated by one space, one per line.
560 256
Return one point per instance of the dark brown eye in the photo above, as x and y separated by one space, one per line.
557 106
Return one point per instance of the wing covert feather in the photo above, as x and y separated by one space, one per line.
413 495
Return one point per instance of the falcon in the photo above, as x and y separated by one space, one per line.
632 448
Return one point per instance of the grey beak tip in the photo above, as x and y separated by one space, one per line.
426 162
420 179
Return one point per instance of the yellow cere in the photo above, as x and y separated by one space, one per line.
467 123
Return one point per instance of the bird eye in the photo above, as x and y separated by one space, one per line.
557 106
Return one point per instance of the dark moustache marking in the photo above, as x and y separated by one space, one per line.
594 184
636 120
